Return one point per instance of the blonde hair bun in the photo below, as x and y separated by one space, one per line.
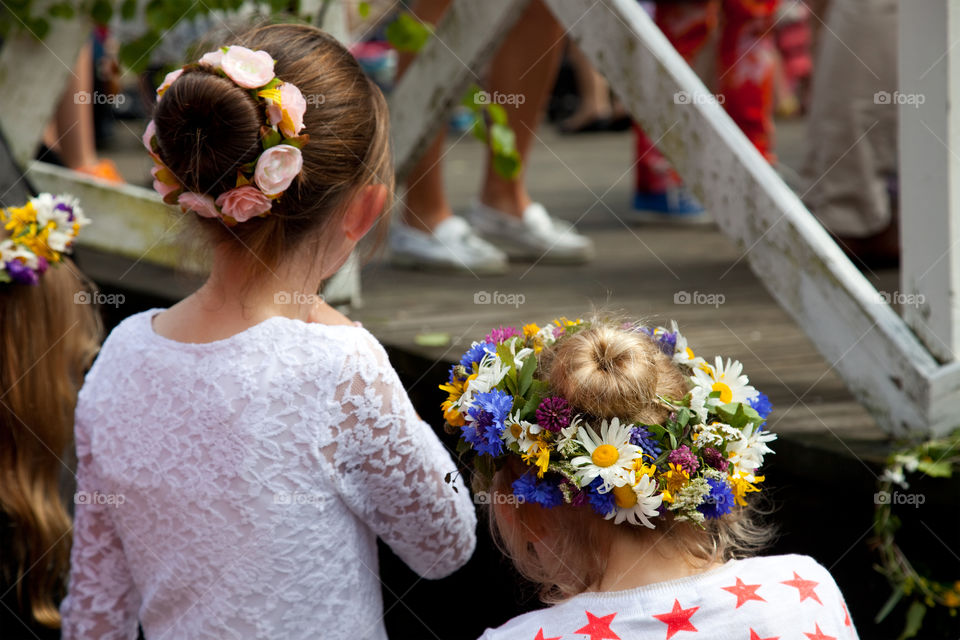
610 371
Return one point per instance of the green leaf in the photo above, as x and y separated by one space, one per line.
363 9
479 130
38 27
469 99
270 138
683 417
936 468
61 10
407 34
507 166
737 414
502 139
102 11
526 374
497 114
914 620
889 605
135 55
538 391
128 10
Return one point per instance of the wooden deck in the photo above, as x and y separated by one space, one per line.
645 271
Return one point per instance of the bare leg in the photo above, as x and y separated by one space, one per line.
594 92
74 118
525 65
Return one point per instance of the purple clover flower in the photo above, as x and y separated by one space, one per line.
715 459
502 334
684 458
553 414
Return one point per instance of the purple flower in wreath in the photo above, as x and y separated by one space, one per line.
684 458
553 414
501 334
715 459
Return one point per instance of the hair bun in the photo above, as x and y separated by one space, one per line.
207 126
612 372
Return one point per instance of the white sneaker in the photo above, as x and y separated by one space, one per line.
535 237
453 246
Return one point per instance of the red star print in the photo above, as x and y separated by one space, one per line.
540 636
678 619
598 628
756 636
744 592
804 587
818 635
846 615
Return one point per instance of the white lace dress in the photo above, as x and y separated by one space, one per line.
235 489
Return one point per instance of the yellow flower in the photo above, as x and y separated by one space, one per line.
539 455
951 599
642 468
19 218
676 478
742 486
530 330
450 413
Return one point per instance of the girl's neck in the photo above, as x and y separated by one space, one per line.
638 561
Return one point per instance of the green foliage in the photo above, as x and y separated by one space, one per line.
407 34
491 126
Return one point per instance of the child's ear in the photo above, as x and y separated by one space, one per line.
363 211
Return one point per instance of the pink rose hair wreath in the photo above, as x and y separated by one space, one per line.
263 179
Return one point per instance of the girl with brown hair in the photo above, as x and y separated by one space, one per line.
619 469
244 449
49 333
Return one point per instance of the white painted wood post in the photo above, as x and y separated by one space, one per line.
929 114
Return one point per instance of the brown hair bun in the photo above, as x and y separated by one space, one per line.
608 371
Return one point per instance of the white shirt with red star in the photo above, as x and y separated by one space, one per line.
762 598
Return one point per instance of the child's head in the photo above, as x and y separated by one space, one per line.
207 127
49 334
604 371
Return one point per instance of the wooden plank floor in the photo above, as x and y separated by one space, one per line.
641 270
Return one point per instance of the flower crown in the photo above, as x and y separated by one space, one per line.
700 462
263 179
40 232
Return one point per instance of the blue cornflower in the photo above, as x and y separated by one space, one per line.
602 503
546 494
641 437
761 404
668 342
488 417
719 501
475 354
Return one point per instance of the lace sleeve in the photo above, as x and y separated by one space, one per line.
102 601
390 469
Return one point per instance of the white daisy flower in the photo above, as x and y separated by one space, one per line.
698 403
636 502
727 379
545 336
682 353
522 432
567 442
490 372
11 251
746 454
609 456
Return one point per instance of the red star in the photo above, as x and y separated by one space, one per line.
756 636
804 587
598 628
818 635
540 636
744 592
678 619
